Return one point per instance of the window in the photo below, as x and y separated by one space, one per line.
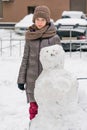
31 9
1 9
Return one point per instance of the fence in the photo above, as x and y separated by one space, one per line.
72 46
72 33
7 46
12 44
15 47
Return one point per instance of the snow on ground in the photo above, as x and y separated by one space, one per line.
13 106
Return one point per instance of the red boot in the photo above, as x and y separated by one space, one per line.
33 110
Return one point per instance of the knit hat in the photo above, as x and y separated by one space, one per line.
42 12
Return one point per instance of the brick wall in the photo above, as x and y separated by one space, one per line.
16 10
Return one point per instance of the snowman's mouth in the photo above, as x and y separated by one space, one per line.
52 55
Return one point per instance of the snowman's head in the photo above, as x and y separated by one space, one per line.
52 57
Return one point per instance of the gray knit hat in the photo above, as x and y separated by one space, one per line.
43 12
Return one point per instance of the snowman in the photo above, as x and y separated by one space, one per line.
56 92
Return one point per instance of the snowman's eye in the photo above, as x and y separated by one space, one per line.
47 51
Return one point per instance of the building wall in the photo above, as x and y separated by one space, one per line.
86 7
14 11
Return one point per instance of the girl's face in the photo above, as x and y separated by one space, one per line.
40 22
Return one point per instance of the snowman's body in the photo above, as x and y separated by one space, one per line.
56 93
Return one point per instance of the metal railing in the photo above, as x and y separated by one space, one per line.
14 45
71 32
11 42
9 47
75 46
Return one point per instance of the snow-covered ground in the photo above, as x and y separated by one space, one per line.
13 106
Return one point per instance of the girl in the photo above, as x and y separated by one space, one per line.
41 34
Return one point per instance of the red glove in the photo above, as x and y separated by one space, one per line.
33 110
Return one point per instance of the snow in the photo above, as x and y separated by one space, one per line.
25 22
13 107
56 93
75 18
75 22
71 21
74 14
